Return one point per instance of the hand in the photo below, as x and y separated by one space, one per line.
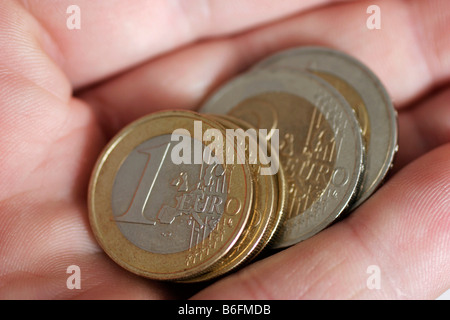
64 93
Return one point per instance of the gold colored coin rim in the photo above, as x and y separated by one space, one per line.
349 93
366 84
232 94
250 244
114 243
281 187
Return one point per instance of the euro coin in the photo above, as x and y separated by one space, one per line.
320 147
267 212
157 209
365 94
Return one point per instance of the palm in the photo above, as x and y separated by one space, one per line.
51 139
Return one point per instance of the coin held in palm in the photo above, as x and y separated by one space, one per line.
273 157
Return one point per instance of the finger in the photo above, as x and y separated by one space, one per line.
396 53
116 35
409 53
27 54
157 86
48 144
40 124
403 230
423 127
38 246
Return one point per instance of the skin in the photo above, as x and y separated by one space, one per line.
64 93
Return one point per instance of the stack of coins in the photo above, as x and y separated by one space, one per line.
165 206
274 156
338 131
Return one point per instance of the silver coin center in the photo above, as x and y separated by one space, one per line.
164 207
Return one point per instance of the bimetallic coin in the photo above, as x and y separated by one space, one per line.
355 101
365 94
280 213
265 216
321 148
268 209
163 219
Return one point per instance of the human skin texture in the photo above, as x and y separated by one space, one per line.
64 93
